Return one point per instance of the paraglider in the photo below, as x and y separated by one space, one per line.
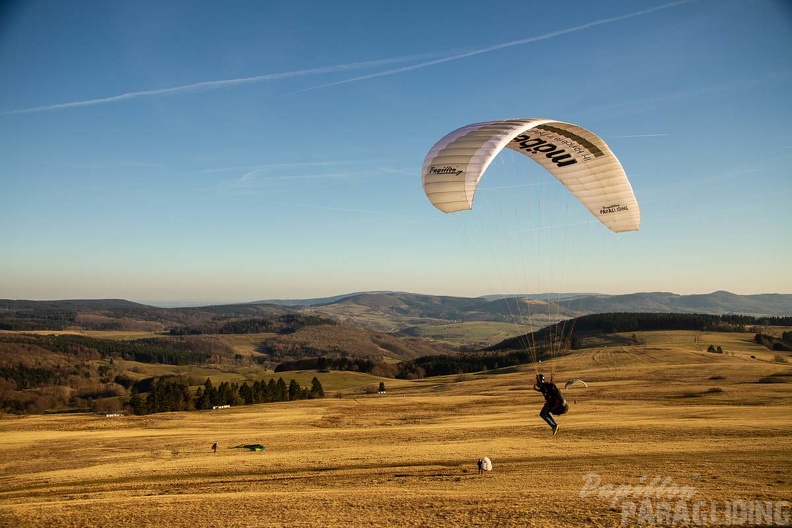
554 401
580 160
573 382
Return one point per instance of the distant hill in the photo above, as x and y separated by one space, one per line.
315 301
347 341
77 370
719 302
75 304
412 304
382 311
116 314
399 310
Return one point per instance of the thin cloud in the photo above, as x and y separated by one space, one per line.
247 177
496 47
252 178
277 166
214 85
118 164
327 208
314 176
255 179
444 57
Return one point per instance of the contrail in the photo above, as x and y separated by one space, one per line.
496 47
444 57
214 85
327 208
287 165
350 174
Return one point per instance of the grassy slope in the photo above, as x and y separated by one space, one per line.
407 458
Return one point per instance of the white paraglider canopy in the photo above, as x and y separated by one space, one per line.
580 160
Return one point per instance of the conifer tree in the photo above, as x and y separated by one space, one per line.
136 402
281 392
295 392
316 389
246 393
202 399
272 390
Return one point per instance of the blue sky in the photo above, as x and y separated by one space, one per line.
236 151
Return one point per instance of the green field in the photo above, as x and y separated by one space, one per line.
477 332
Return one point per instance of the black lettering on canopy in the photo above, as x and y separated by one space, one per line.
539 145
574 137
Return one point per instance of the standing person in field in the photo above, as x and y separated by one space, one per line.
214 447
554 401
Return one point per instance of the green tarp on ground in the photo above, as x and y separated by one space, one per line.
250 447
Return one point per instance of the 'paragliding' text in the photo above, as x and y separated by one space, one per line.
663 502
615 208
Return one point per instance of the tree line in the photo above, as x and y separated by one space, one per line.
782 344
25 377
445 364
280 324
172 393
40 319
569 335
571 331
355 364
150 350
424 366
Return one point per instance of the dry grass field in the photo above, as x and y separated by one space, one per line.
717 427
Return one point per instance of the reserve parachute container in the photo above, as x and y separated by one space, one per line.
580 160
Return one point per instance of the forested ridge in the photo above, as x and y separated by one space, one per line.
149 350
375 310
572 330
569 335
279 324
40 372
